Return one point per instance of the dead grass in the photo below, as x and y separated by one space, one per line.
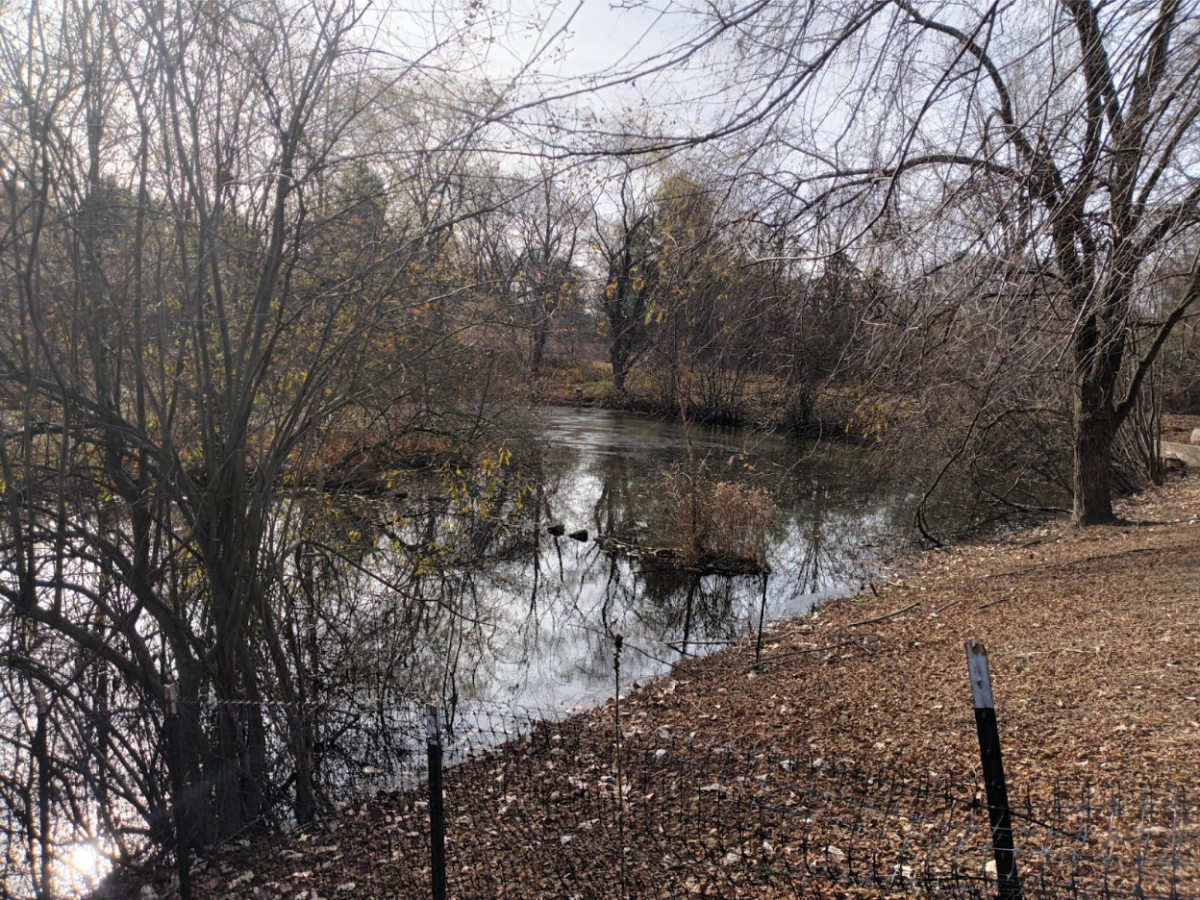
718 522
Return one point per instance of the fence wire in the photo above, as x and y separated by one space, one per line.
538 808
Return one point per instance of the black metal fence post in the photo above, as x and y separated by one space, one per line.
762 616
993 773
618 644
437 813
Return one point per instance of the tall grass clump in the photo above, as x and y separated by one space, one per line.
718 524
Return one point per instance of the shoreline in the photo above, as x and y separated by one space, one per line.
1093 637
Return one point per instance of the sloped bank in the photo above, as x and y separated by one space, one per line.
1093 636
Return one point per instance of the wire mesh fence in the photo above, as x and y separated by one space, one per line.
540 807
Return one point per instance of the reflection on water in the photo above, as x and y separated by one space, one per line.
458 594
371 606
555 607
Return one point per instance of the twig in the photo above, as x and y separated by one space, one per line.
1040 540
994 602
1067 563
897 612
787 634
775 656
670 663
945 606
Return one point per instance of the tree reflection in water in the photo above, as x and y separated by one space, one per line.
382 605
605 471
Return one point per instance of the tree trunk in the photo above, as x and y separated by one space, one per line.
618 359
538 352
1095 427
195 811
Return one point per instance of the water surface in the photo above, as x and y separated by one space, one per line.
557 609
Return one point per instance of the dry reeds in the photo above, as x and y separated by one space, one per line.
720 523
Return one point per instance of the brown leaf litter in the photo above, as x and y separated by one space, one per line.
1093 637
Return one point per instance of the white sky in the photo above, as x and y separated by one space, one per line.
576 43
600 35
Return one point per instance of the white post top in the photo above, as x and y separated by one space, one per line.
433 731
981 680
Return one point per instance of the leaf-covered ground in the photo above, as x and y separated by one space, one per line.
1094 644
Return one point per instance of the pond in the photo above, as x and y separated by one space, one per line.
556 610
398 602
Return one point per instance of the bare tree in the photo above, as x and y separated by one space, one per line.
519 253
1082 119
208 266
550 227
629 250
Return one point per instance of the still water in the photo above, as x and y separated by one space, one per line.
504 622
520 625
550 640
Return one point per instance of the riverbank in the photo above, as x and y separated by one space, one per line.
1093 636
753 401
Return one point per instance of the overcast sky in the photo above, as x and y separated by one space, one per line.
600 35
582 39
